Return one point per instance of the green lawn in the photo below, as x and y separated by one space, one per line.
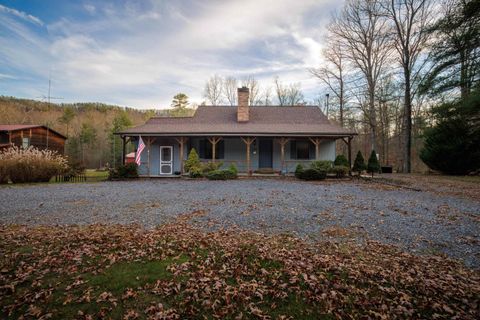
178 272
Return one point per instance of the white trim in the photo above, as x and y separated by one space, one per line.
170 162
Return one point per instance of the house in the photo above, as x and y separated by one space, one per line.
26 135
252 137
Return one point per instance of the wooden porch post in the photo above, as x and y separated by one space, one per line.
182 141
283 143
123 150
214 141
350 154
248 141
316 142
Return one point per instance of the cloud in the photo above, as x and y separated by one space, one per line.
22 15
141 54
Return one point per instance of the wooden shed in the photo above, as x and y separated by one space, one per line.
22 135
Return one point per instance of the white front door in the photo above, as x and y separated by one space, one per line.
166 160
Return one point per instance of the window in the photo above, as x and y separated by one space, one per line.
205 151
25 143
302 150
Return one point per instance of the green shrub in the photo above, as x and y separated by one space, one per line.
313 174
193 161
30 165
359 163
232 171
195 172
218 175
298 171
210 166
339 171
127 171
322 165
373 165
341 160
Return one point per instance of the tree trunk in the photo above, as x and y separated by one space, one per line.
407 150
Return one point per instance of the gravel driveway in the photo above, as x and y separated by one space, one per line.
417 221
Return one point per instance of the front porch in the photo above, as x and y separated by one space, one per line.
164 156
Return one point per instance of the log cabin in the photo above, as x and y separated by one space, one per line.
26 135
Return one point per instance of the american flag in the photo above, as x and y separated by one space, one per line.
140 148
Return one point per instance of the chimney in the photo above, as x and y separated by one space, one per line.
243 108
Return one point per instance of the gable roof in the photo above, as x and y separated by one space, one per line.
17 127
263 120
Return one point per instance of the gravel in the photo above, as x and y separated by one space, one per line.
420 222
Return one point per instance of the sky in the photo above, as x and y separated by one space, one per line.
141 53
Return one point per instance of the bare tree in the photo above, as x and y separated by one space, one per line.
230 86
364 33
333 73
410 20
213 90
288 95
251 83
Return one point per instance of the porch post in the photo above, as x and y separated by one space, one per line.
123 150
149 143
283 142
349 144
316 142
181 141
214 141
248 141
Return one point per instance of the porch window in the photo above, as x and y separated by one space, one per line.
204 149
302 150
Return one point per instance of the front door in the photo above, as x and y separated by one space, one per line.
166 160
265 150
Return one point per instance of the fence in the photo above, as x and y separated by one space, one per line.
71 178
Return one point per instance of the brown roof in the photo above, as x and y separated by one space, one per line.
16 127
264 120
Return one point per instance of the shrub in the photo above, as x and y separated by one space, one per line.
230 173
341 160
30 165
195 172
373 165
339 171
313 174
322 165
210 166
193 160
298 171
127 171
359 163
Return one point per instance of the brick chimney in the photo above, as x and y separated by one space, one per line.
243 108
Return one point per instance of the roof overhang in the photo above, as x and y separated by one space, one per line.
216 134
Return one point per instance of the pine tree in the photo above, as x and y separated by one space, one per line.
341 160
373 164
359 164
179 105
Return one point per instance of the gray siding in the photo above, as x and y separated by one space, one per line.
235 152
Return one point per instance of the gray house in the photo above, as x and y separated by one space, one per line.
254 138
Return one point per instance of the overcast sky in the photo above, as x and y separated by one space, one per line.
141 53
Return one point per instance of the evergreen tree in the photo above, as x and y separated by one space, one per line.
67 117
179 105
452 146
341 160
359 163
373 164
193 160
120 122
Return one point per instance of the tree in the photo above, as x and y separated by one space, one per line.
359 163
341 160
67 117
213 90
254 90
364 33
288 95
87 136
452 146
456 51
120 122
373 164
180 105
230 86
333 72
410 19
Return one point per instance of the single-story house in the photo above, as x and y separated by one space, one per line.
252 137
26 135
